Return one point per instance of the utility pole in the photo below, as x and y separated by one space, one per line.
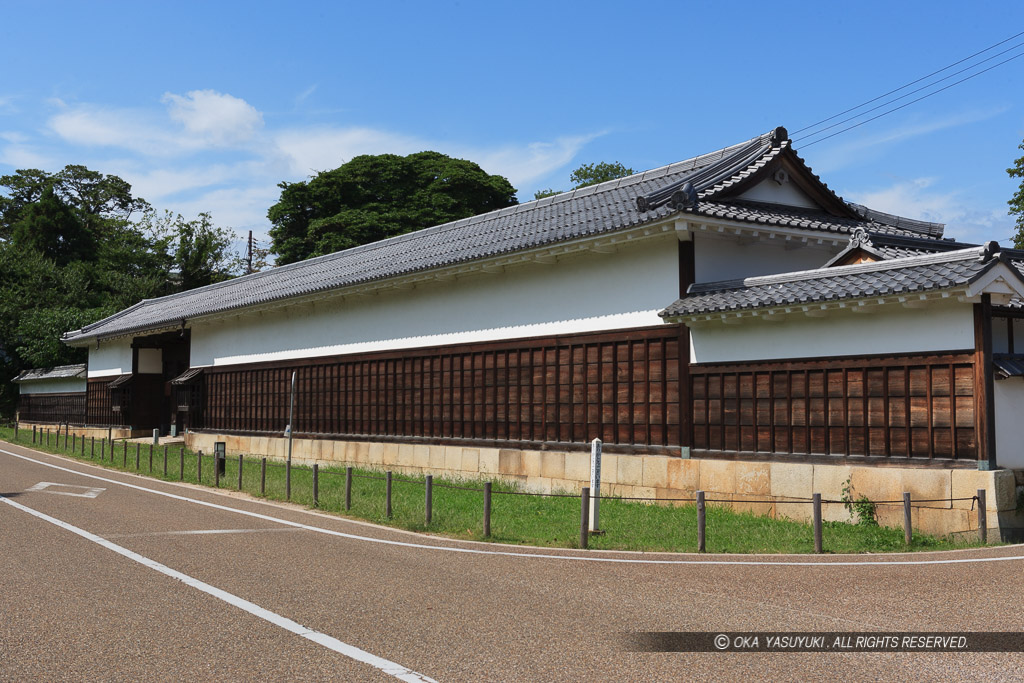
248 255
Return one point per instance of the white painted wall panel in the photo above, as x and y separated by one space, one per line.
773 193
1001 337
111 358
1009 398
585 293
889 329
151 361
725 259
52 386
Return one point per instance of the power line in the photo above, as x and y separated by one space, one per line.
923 97
907 85
916 90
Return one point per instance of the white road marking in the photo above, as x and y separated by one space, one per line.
80 491
199 532
350 651
509 553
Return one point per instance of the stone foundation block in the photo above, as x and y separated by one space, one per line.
790 480
552 465
630 471
489 461
753 478
655 471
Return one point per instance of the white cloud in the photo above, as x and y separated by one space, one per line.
215 118
174 157
920 199
523 164
19 155
132 130
307 151
240 208
200 120
312 150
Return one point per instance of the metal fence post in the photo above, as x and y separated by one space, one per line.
263 477
181 464
83 446
429 503
124 454
316 485
199 467
216 470
33 433
816 504
103 451
288 480
487 509
348 488
151 458
239 471
74 442
907 528
982 517
165 460
138 453
701 521
584 517
92 446
387 495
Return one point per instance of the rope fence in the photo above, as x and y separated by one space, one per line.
77 446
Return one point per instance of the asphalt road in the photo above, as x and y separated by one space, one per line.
146 580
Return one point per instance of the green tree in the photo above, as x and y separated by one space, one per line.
590 174
52 228
1017 201
375 197
72 251
202 252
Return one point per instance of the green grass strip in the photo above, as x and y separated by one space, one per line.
517 519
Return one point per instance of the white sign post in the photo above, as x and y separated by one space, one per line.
595 483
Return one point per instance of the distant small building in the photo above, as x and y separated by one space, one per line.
52 395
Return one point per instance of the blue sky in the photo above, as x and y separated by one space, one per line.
208 106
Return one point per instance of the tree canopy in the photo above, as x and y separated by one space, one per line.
590 174
77 246
1017 201
373 197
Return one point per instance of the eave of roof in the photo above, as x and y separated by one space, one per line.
58 372
865 281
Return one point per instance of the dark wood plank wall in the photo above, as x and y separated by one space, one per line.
99 406
66 407
920 406
620 386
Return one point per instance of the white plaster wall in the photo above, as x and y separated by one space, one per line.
585 293
52 386
151 361
717 259
888 329
111 358
773 193
1009 398
1000 336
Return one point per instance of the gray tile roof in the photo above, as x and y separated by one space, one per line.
588 211
58 372
884 278
1007 365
